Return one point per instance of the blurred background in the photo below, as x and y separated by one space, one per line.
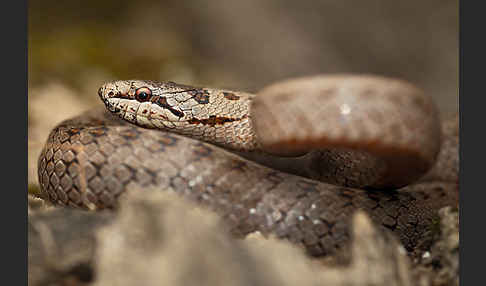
75 46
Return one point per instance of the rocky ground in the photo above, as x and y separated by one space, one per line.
159 239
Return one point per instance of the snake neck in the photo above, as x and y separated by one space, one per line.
222 118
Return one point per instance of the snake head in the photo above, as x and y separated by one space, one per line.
214 115
144 102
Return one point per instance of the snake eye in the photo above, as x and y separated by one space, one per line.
143 94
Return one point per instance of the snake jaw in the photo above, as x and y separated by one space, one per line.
112 93
111 105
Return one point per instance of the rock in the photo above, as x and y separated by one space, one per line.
61 245
157 238
441 265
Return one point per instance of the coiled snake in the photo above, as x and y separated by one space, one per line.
353 142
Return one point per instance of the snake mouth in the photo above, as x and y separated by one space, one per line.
111 106
110 97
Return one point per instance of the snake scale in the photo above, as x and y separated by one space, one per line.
351 141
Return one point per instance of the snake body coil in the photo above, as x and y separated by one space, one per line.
339 134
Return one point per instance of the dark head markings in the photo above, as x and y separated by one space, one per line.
162 102
212 120
143 94
200 95
230 96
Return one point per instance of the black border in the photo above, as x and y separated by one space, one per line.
471 119
14 137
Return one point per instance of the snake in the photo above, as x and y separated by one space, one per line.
295 160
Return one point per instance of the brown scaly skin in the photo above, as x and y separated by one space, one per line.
358 130
90 160
249 196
